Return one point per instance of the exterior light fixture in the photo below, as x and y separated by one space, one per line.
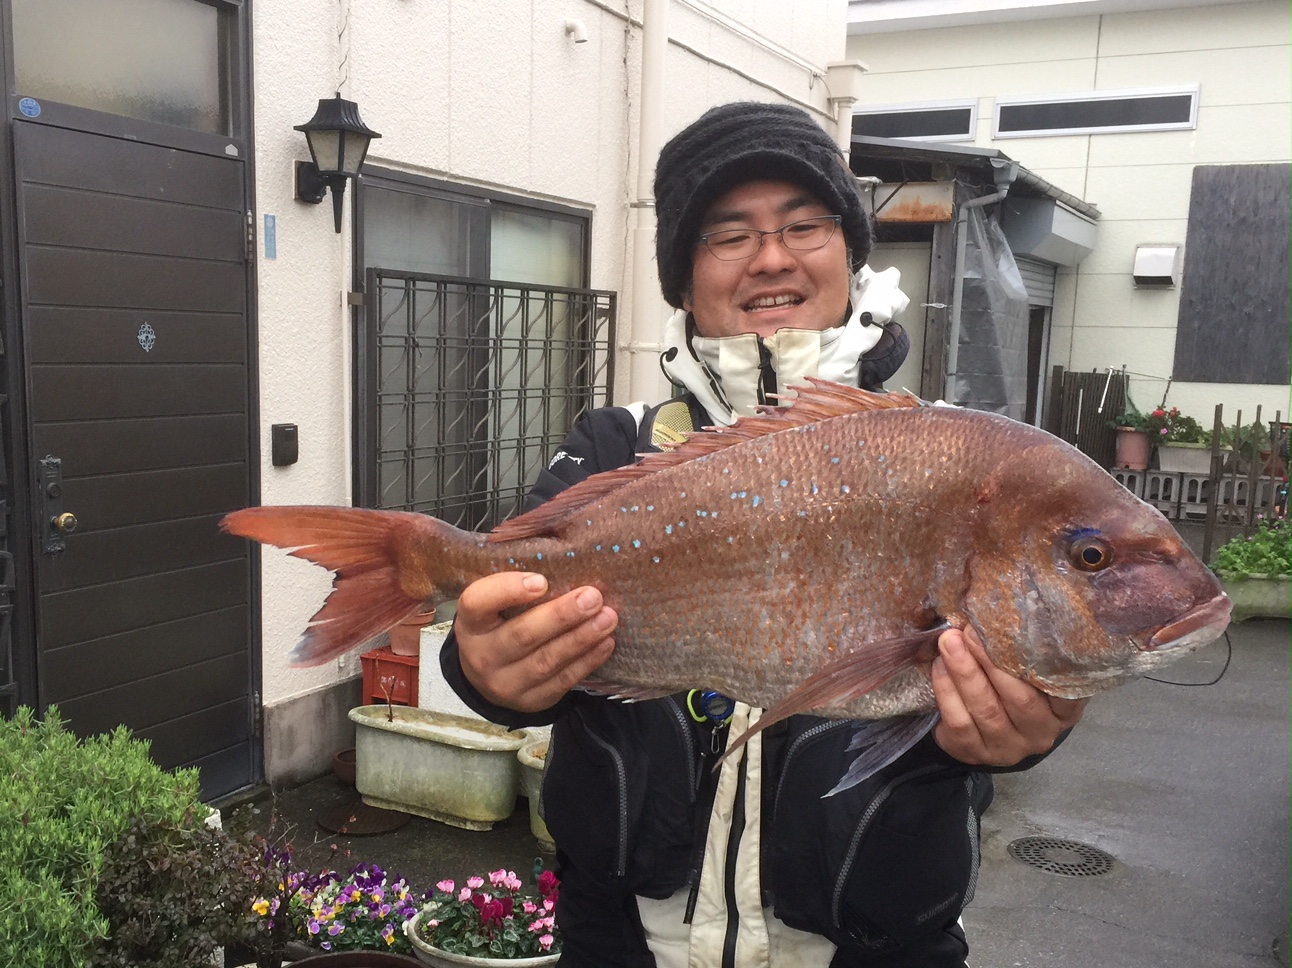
338 142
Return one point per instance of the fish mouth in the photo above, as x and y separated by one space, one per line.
1194 628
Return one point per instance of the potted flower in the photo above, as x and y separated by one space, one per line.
362 910
1133 447
1183 446
488 927
1255 571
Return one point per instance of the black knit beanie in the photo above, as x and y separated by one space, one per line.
737 143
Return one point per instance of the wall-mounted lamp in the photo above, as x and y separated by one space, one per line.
338 142
577 31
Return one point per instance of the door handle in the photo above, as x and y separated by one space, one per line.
58 523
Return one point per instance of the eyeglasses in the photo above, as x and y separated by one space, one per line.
732 245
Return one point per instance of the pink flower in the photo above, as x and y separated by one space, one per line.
464 895
474 882
547 883
546 942
446 886
529 907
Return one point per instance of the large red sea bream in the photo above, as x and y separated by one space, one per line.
806 559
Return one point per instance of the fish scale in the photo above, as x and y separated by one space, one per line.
806 559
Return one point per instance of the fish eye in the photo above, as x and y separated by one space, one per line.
1091 554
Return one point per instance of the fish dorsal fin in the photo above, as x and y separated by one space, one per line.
820 400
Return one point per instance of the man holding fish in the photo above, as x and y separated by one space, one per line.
762 246
846 610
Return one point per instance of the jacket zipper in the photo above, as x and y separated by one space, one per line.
804 737
688 740
877 801
621 774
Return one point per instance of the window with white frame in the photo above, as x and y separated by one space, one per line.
1096 112
918 121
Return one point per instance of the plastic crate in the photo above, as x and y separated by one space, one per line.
396 673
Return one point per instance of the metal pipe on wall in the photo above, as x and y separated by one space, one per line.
648 309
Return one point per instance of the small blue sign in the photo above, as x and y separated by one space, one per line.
271 236
30 107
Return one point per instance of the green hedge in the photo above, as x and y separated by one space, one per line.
63 803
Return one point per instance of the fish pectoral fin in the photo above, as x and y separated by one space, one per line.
882 742
615 690
850 676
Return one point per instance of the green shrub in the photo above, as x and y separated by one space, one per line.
1266 552
174 894
63 803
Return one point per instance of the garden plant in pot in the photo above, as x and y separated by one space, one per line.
1133 446
1183 445
488 924
1255 571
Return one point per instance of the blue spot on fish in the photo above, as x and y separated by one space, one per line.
784 483
846 489
569 554
701 514
614 547
539 556
834 460
815 489
598 547
757 500
650 507
637 542
668 529
731 540
655 559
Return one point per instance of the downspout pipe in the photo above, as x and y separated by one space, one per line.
648 308
1004 172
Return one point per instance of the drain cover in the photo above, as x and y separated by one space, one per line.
1057 856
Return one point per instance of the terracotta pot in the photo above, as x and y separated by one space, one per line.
406 637
343 765
1132 449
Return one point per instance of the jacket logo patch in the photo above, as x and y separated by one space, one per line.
562 455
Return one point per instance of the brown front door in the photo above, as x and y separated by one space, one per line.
134 291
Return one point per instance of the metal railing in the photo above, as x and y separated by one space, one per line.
466 387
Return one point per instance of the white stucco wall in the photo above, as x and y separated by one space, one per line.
1237 53
483 94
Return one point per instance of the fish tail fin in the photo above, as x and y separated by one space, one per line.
367 549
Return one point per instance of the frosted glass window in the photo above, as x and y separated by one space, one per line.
419 233
535 249
155 60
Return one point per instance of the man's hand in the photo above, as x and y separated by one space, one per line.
990 718
528 661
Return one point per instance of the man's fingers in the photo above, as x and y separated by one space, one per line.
483 601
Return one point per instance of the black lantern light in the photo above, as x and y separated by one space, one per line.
338 142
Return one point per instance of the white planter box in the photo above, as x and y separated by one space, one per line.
1259 597
459 771
1184 458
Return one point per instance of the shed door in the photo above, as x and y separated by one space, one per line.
134 302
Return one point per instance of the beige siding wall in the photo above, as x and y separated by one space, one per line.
1239 56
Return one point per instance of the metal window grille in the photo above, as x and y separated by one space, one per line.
468 386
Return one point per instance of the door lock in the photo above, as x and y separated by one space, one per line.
58 522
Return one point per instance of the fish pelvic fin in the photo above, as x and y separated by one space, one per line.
368 551
882 741
858 671
818 400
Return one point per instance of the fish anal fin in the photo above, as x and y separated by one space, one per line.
819 400
859 670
